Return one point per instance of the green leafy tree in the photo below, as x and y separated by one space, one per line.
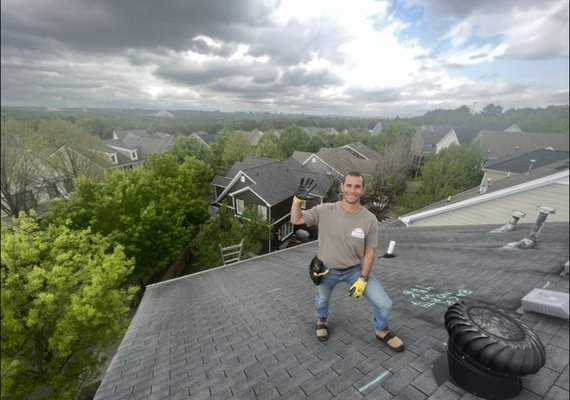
316 142
341 139
186 146
452 170
491 110
268 147
291 139
229 148
62 306
152 211
226 230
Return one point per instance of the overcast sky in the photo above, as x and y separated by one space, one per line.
339 57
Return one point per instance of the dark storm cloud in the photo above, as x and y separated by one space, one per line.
108 25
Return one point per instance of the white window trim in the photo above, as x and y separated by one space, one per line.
262 210
240 205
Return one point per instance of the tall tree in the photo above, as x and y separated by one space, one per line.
268 147
236 148
21 181
452 170
186 146
392 171
291 139
62 306
152 211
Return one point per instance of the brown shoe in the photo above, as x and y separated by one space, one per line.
322 330
392 341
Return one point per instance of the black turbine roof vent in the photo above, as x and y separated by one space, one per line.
489 350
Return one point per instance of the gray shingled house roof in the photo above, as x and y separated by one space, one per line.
362 151
246 331
507 144
275 181
431 135
520 163
466 135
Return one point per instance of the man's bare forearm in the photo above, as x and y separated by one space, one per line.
296 213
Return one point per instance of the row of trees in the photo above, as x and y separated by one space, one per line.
101 122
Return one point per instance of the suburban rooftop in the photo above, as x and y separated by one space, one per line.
246 330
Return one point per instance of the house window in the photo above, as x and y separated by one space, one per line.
113 158
134 155
242 179
285 230
262 210
239 206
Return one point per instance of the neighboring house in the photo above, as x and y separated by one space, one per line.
247 330
427 137
493 126
313 131
203 137
121 134
269 186
336 162
32 180
468 132
495 170
496 144
122 156
546 186
360 150
456 136
377 130
128 148
253 136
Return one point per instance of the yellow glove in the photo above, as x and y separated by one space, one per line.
358 288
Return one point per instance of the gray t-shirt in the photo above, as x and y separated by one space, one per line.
343 236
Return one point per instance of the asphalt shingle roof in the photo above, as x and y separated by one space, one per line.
521 163
246 331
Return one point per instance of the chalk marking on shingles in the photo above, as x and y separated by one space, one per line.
546 285
274 290
374 382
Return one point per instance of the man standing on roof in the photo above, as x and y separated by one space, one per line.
348 237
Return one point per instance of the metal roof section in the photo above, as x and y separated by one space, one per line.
557 178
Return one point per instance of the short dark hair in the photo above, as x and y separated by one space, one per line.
353 173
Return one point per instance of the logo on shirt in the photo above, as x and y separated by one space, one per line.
358 233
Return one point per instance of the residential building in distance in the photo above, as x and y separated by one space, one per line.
268 186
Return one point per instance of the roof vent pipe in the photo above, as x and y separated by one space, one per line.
531 240
543 212
485 187
510 226
530 166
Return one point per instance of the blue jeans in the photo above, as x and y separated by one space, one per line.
374 293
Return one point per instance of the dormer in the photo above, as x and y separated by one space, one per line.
113 157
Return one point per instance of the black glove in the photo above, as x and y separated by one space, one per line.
305 188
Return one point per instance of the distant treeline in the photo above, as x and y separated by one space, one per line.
102 122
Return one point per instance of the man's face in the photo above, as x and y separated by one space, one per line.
352 188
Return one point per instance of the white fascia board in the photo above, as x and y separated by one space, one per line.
559 177
232 182
321 160
245 189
